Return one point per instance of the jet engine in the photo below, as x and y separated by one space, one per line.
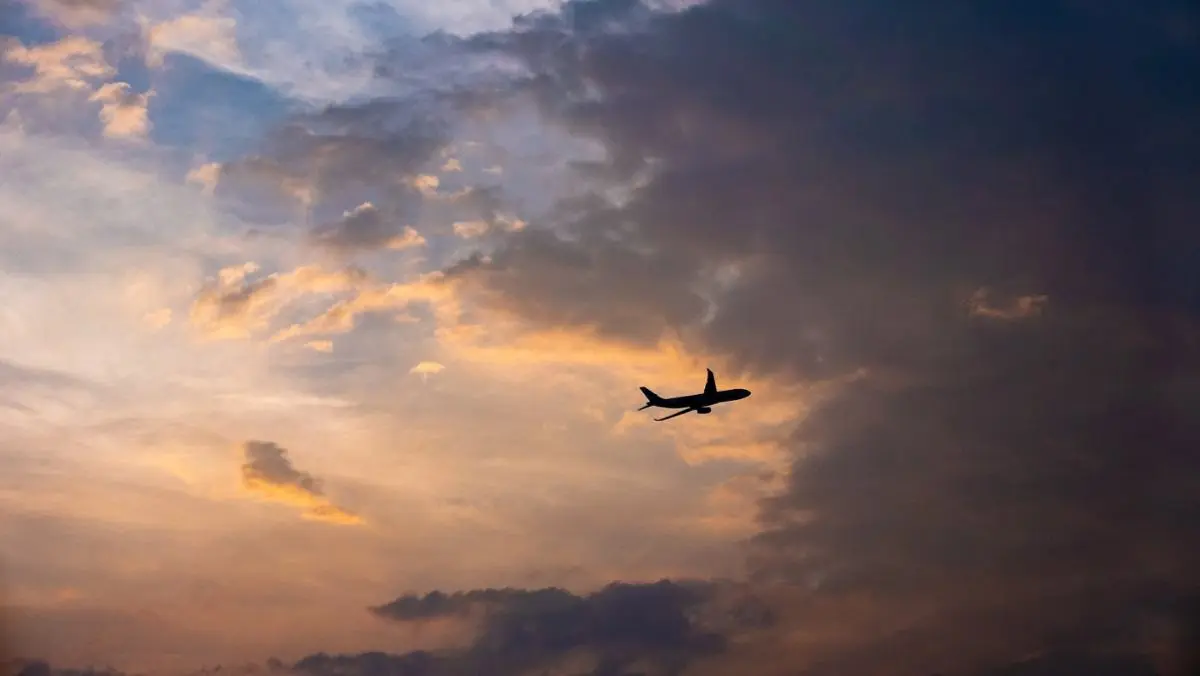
703 410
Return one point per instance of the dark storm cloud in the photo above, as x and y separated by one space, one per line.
620 625
987 210
657 628
622 293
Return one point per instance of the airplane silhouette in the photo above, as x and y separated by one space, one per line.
700 403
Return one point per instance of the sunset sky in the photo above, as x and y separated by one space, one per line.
322 323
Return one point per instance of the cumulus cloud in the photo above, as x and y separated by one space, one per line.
269 473
208 35
427 368
71 63
123 110
470 229
206 175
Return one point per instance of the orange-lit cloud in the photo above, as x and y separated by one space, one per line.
470 229
340 317
233 307
427 368
268 473
1021 307
123 111
72 63
204 34
206 175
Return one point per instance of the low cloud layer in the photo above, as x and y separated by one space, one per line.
269 473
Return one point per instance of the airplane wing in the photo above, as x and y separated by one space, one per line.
686 410
710 385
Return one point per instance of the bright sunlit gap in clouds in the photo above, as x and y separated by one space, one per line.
322 325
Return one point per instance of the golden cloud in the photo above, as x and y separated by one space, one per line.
213 36
123 111
470 229
341 317
269 474
206 176
233 307
70 63
406 240
427 368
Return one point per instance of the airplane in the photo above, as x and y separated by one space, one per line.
700 403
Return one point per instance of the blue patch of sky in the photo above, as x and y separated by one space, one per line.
213 112
16 20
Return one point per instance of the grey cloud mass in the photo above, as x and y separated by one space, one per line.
994 484
267 462
657 628
365 227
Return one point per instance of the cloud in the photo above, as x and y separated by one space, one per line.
269 473
813 195
605 285
470 229
427 368
206 175
124 111
71 63
232 307
369 298
1019 308
992 487
366 228
77 14
320 345
659 627
342 149
206 35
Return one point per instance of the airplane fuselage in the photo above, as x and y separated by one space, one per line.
702 400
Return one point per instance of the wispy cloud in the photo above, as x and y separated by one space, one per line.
269 473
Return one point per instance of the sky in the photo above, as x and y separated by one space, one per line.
322 325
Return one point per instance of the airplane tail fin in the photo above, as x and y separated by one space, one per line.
651 398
